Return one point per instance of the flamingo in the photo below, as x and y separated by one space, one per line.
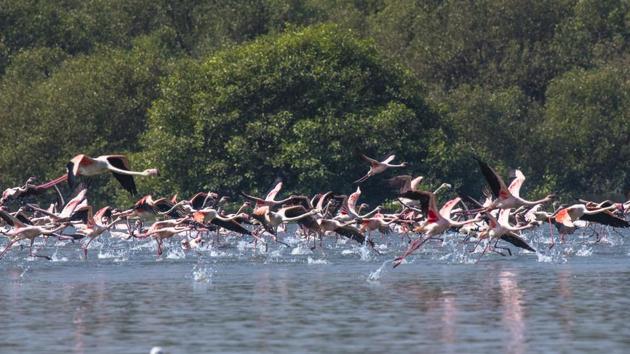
412 197
23 231
344 229
212 216
118 165
162 230
95 226
377 167
437 222
74 205
348 209
500 229
569 215
508 197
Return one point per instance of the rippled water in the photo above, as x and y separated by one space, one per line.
229 298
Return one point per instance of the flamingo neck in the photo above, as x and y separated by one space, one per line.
54 182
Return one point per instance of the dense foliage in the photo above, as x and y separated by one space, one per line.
228 95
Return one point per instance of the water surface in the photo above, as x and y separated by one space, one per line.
124 299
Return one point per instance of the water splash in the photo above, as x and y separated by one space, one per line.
202 273
26 269
175 253
554 255
316 261
56 258
584 251
301 249
375 276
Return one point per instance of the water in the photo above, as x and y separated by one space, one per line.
232 298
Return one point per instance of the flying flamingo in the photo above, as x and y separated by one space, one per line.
437 222
344 229
28 189
508 197
500 229
23 231
162 230
118 165
348 210
95 226
212 216
377 167
75 204
569 215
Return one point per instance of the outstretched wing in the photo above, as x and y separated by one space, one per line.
275 190
126 181
389 159
402 183
231 225
606 218
370 160
445 212
515 186
498 187
352 200
10 219
517 241
563 217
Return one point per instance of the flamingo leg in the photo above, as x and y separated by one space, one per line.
484 252
412 248
553 241
85 248
159 248
476 244
36 255
7 247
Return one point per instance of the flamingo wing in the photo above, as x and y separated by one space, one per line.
294 211
231 225
517 241
370 160
563 217
323 199
10 219
389 159
445 212
101 213
352 200
504 216
402 183
126 181
469 201
605 218
515 186
23 219
275 190
352 233
197 200
498 187
73 204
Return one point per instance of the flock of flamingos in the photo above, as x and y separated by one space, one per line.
500 217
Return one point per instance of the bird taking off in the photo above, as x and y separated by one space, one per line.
377 167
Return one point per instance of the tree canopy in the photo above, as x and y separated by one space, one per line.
228 95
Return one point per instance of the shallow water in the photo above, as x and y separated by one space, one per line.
348 299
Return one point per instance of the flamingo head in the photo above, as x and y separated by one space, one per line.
552 197
152 172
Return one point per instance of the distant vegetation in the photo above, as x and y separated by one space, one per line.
228 95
